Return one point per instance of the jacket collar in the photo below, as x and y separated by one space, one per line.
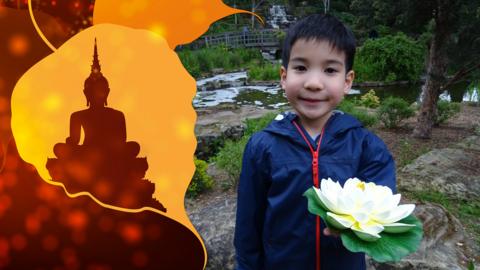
337 124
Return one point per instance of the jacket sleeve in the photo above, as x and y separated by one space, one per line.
377 164
251 204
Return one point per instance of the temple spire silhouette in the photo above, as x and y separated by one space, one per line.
96 63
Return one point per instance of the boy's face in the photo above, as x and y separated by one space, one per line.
315 80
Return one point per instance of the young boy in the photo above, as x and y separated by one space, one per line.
274 229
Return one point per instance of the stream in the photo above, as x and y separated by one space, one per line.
232 88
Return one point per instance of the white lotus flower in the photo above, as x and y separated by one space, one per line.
365 208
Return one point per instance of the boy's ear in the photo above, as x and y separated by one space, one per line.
349 81
283 76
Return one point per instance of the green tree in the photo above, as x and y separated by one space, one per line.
448 23
390 58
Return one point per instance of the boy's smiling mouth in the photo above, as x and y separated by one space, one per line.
311 100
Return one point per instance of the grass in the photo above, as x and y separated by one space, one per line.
409 152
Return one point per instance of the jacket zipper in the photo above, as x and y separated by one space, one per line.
315 156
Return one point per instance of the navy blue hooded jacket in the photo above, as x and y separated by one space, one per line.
274 229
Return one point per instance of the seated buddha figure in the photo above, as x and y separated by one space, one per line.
104 163
103 127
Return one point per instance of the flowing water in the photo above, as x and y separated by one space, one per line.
273 97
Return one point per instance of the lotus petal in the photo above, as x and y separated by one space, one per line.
361 217
330 187
351 184
370 227
388 202
366 236
398 227
330 192
367 206
346 204
318 192
396 214
329 204
340 221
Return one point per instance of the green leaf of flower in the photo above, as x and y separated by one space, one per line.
391 246
314 206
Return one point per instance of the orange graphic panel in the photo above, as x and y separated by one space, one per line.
179 22
107 121
147 83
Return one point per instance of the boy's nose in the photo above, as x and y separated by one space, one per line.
314 82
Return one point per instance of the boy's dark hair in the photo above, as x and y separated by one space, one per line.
321 28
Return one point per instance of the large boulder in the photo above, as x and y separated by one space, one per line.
452 171
216 224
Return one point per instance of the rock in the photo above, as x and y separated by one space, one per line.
208 145
221 81
216 224
471 143
444 245
213 127
455 172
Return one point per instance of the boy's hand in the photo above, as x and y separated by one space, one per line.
331 232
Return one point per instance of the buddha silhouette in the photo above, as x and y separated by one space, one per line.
105 164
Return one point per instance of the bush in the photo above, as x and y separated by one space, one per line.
229 158
370 99
190 62
446 110
248 55
362 115
393 110
204 60
257 124
201 181
267 72
390 58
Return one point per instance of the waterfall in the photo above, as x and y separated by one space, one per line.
278 17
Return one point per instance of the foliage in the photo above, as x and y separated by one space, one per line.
267 72
370 99
229 158
409 152
446 110
202 61
361 114
191 62
253 125
201 181
393 110
390 58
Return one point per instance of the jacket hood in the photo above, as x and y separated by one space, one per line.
338 123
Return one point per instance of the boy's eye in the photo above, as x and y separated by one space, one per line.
331 70
299 68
